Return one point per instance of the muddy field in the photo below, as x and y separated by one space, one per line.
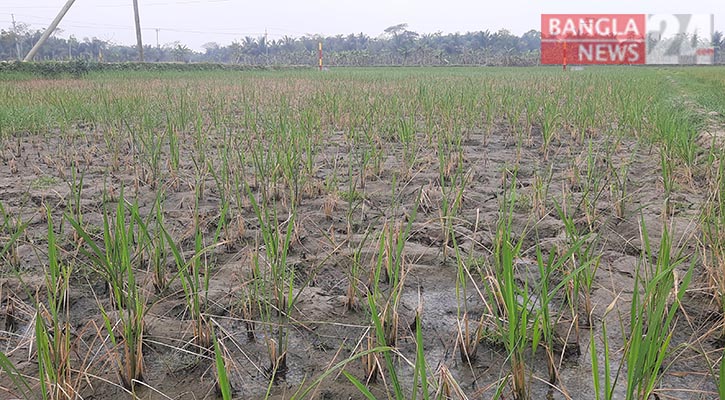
380 156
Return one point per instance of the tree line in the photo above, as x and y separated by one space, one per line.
397 45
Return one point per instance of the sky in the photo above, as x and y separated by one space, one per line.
196 22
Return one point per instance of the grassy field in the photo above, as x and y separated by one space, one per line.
407 233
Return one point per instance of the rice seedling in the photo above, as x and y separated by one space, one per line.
618 187
114 262
194 276
53 329
517 313
468 334
543 329
541 193
549 123
278 284
12 230
223 386
354 278
599 386
713 234
514 304
652 314
452 185
159 250
389 268
594 187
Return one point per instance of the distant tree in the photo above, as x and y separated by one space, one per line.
236 51
396 29
288 43
531 40
180 52
718 42
717 38
212 51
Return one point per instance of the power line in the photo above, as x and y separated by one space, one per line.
77 24
170 3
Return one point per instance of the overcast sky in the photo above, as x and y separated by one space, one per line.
195 22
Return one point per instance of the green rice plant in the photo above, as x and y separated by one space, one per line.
223 386
676 126
201 135
304 391
452 184
489 114
114 262
363 150
266 170
619 177
594 187
354 199
383 307
532 108
148 151
608 386
550 116
356 269
224 181
468 334
75 185
585 117
290 161
5 219
390 269
172 137
52 328
252 293
541 192
543 328
310 148
713 223
159 249
515 310
668 183
10 231
421 386
582 267
514 304
279 284
420 374
19 381
522 315
652 314
406 136
194 275
380 335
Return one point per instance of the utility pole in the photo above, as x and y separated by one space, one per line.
49 30
17 36
157 38
139 42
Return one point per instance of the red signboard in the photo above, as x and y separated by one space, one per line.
593 39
